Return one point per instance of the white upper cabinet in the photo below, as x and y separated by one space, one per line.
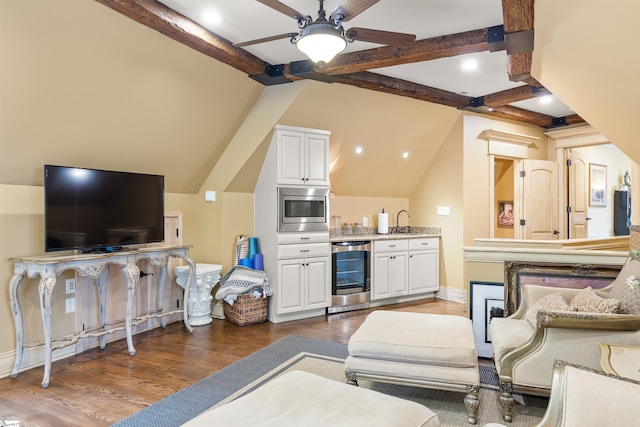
303 158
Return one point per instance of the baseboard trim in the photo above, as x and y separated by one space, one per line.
455 295
32 358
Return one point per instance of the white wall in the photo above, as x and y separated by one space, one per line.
601 223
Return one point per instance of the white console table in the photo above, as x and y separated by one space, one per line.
96 266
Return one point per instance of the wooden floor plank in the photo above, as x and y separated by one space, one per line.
100 387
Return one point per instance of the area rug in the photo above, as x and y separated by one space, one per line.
325 359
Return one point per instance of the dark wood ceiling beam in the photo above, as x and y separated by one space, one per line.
524 116
573 119
157 16
519 66
419 51
508 96
518 16
400 87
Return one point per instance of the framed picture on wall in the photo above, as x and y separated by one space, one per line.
505 214
597 185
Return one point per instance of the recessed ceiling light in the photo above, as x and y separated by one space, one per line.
212 17
547 99
358 149
470 64
405 154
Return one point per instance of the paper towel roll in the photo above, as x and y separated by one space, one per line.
383 223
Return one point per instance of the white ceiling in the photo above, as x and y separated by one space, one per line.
243 20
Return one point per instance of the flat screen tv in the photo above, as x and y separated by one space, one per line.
101 211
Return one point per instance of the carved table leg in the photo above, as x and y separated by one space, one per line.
472 403
45 288
187 289
133 274
506 401
161 280
17 318
102 296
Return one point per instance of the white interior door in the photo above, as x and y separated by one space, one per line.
539 183
578 196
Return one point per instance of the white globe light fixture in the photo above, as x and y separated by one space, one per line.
321 41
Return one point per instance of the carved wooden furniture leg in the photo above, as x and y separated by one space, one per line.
17 316
351 378
133 274
506 401
45 288
472 403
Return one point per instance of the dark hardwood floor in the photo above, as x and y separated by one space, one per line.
100 387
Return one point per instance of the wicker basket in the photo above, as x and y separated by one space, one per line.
246 310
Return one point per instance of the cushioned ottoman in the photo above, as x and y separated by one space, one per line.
302 399
425 350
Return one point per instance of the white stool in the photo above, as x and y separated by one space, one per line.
416 349
204 279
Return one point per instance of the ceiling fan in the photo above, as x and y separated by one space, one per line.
325 37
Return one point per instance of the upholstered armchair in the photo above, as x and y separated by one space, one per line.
585 397
562 324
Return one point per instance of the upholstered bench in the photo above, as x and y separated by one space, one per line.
302 399
416 349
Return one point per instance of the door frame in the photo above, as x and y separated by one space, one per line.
565 140
512 146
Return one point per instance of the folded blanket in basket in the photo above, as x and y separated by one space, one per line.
242 280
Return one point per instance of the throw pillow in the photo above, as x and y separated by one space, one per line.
626 288
550 302
588 301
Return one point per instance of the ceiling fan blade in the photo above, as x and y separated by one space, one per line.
389 38
281 7
349 9
263 40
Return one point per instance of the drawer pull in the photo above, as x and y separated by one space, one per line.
392 246
305 238
304 250
424 244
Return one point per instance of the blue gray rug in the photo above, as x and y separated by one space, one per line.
200 396
326 359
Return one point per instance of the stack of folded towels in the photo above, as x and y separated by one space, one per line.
243 280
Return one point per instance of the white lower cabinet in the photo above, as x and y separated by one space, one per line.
302 284
390 275
424 264
390 265
405 267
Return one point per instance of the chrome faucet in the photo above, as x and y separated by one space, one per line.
398 221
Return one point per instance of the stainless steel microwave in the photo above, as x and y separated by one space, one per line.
303 209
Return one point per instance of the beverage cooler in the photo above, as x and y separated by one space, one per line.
351 276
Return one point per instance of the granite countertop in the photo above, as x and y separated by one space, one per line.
368 234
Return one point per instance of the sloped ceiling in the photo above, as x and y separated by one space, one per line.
586 53
81 85
84 86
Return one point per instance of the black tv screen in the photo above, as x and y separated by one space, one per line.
98 210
